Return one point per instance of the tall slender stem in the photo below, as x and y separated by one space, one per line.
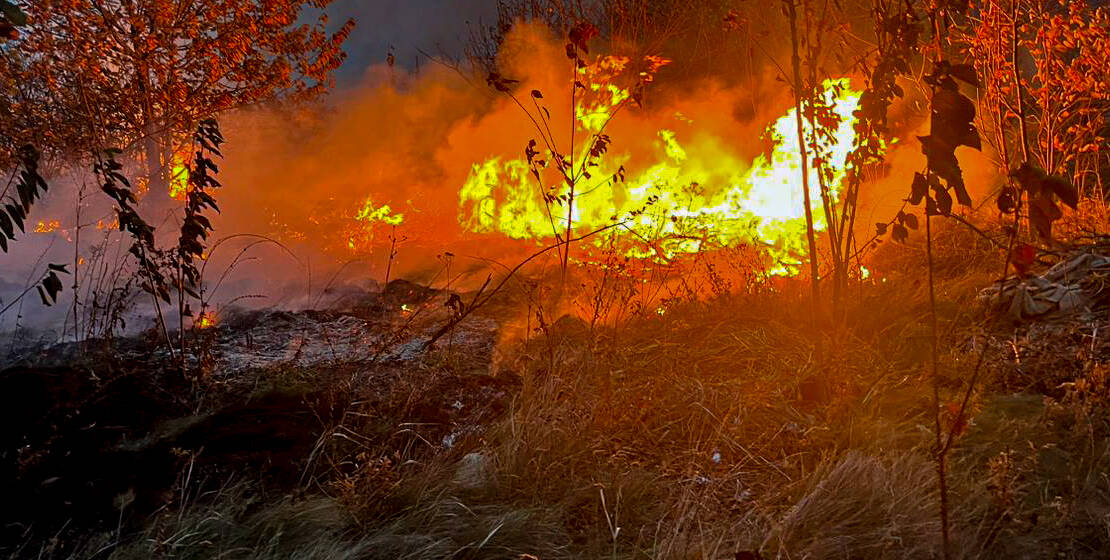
810 236
942 479
940 452
570 177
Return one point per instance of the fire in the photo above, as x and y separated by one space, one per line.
369 214
111 225
692 195
205 321
179 177
369 217
47 227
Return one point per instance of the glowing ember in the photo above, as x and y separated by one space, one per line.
686 201
205 321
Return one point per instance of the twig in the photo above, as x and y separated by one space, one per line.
479 301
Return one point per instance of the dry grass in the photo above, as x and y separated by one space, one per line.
235 523
712 429
862 506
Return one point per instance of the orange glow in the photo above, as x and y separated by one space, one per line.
687 172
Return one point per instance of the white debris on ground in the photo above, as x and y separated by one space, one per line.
271 339
385 328
1072 286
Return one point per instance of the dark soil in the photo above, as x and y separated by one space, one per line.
94 450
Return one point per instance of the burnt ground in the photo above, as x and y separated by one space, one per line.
706 430
99 441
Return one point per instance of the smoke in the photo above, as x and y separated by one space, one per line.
408 139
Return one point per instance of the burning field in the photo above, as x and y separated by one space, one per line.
613 279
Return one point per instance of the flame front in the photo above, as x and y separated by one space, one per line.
692 198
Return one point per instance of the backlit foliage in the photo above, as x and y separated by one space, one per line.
85 74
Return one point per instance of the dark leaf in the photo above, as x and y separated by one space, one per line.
1063 189
919 189
1007 200
962 195
953 106
952 116
899 233
971 138
965 73
931 207
581 35
17 215
1030 177
944 201
910 221
942 160
6 226
1042 212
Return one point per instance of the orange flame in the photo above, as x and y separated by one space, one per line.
205 321
47 227
686 200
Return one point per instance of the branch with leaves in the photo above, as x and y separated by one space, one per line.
195 226
118 188
573 161
29 187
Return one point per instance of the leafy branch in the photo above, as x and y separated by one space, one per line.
30 187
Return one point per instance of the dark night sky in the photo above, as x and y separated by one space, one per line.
408 25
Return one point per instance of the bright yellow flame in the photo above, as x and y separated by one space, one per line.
361 235
205 321
689 200
179 177
383 213
47 227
